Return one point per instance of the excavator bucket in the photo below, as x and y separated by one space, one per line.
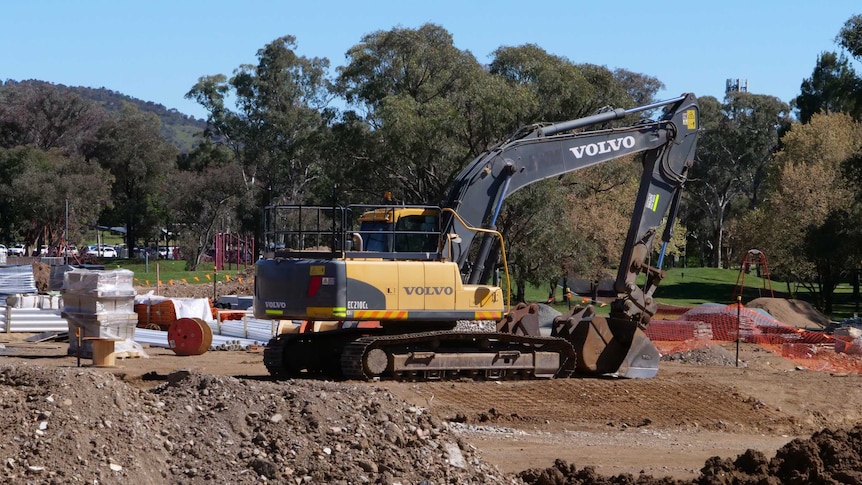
608 346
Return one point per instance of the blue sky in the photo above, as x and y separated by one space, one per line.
157 50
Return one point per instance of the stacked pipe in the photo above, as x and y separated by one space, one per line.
247 327
31 320
159 338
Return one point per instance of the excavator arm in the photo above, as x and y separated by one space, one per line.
617 344
546 151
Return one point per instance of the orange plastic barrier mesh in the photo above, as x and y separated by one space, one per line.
677 329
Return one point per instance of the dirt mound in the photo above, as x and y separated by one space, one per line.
711 355
86 426
41 276
239 284
829 456
796 313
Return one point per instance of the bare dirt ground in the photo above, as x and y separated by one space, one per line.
699 406
716 415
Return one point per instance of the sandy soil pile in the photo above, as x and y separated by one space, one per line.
796 313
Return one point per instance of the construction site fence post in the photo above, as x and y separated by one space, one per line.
738 319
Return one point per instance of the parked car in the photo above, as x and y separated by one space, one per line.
17 250
103 251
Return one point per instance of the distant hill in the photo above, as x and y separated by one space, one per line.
180 129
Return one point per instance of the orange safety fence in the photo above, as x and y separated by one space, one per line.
678 329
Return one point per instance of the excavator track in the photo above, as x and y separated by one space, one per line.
309 354
273 357
445 355
437 355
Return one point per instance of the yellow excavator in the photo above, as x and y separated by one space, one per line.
400 292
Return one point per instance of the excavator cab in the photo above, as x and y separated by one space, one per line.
400 229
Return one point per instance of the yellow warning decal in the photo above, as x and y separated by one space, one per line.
488 316
691 119
316 270
652 202
380 315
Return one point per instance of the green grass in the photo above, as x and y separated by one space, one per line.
694 286
168 270
681 287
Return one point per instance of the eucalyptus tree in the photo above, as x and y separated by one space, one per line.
574 242
562 89
57 123
272 115
203 197
810 197
850 36
420 109
834 87
642 88
131 148
734 151
55 197
47 116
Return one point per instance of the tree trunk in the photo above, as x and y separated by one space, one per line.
521 290
717 246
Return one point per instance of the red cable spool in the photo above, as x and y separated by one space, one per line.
190 336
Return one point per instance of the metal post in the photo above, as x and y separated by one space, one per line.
66 235
738 318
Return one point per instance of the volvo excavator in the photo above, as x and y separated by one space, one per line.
410 293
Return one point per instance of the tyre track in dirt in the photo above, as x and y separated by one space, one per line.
669 402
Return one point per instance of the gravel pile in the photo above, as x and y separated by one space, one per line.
711 355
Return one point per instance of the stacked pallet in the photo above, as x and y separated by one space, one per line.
99 306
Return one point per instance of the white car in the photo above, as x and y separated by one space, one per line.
17 250
102 251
